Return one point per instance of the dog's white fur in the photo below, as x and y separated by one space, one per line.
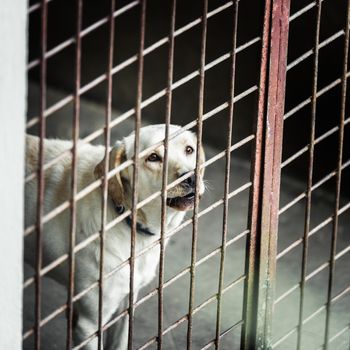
90 165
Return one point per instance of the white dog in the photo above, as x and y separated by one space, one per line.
90 166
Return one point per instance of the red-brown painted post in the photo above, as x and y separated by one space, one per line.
263 218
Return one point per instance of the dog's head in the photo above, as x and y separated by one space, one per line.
181 160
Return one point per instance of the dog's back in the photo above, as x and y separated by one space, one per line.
57 189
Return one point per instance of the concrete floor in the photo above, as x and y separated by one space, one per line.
178 255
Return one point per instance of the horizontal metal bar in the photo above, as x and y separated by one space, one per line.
36 6
70 41
302 11
314 187
167 330
286 293
83 244
312 232
337 335
117 13
62 308
317 140
309 53
312 274
227 331
323 307
94 185
46 320
124 116
195 310
321 92
61 259
283 338
187 269
311 316
60 104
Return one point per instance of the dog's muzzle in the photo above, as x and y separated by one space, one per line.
185 201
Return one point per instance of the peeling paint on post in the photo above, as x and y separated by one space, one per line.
263 218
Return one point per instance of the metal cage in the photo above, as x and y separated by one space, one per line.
262 252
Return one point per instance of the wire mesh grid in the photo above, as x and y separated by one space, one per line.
260 234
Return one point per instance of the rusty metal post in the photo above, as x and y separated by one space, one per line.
263 217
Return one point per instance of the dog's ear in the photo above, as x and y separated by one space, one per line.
115 185
201 159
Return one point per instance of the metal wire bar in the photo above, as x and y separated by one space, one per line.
322 137
227 331
165 175
321 45
104 20
311 232
147 102
60 104
168 329
337 335
187 270
133 59
302 11
143 251
227 173
117 13
319 94
135 172
120 218
41 177
250 300
104 196
311 316
74 175
259 292
338 176
310 174
314 187
312 273
70 41
195 310
68 99
36 6
197 173
124 165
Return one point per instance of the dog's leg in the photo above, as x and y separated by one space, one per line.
86 320
84 328
117 335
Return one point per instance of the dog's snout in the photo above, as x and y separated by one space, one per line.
190 181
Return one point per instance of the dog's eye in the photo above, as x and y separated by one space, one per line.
189 150
153 157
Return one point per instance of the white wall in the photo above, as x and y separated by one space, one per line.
13 40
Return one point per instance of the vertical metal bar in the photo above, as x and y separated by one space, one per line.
310 172
250 286
197 174
136 169
263 219
272 168
227 173
338 176
73 204
107 134
41 174
165 174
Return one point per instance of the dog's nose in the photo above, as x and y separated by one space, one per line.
190 181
